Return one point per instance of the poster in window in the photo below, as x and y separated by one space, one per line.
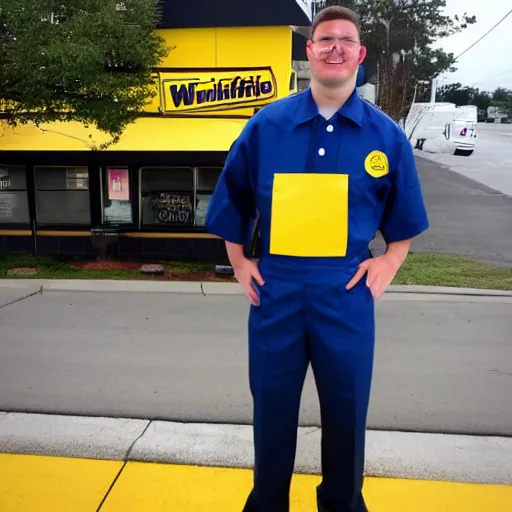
118 185
175 208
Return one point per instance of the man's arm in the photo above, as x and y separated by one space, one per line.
404 218
405 215
231 209
232 204
397 252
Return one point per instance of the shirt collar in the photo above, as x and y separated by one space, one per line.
308 110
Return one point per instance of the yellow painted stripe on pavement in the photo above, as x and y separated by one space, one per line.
40 484
146 487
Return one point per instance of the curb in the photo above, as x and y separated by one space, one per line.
122 286
453 458
209 288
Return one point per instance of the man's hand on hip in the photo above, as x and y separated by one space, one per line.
246 271
382 270
380 273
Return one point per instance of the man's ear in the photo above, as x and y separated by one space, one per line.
309 49
363 51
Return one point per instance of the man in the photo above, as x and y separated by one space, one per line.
325 170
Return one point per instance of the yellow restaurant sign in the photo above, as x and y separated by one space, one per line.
198 91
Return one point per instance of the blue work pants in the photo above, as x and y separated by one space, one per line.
307 316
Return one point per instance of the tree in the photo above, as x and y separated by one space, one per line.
502 95
456 93
399 35
78 60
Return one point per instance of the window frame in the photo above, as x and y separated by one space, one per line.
161 227
203 191
103 182
196 190
20 225
56 225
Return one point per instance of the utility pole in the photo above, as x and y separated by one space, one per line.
433 91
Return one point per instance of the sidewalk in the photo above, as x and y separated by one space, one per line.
92 464
36 484
80 464
17 289
183 356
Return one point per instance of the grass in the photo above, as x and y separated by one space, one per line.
419 269
53 269
454 271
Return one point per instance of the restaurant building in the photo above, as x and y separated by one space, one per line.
147 195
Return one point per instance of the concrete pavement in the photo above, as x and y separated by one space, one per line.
23 288
442 361
58 463
120 350
432 457
467 217
491 162
12 291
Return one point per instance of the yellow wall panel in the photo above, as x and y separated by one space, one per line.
146 134
190 48
256 47
209 49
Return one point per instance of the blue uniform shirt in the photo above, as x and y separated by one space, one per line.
289 136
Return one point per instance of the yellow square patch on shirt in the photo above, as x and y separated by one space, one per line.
309 215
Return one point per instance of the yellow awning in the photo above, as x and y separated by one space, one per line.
146 134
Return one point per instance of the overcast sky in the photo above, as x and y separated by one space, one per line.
488 65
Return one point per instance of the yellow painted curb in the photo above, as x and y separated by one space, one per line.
145 487
40 484
33 483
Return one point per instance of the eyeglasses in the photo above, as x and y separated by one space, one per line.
325 45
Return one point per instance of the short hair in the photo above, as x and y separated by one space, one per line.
336 12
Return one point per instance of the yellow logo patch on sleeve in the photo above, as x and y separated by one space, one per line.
376 164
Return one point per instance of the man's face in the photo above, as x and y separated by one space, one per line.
335 53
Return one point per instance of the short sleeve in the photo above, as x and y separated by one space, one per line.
405 214
232 205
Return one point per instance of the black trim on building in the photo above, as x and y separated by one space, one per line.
73 241
231 13
299 47
110 158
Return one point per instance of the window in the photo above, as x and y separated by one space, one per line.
117 207
63 195
13 196
167 196
207 178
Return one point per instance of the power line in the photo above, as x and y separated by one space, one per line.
486 34
508 71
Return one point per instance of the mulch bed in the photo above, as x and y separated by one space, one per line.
25 271
169 275
106 265
195 276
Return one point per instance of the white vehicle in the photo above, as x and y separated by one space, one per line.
496 115
442 128
428 126
464 130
